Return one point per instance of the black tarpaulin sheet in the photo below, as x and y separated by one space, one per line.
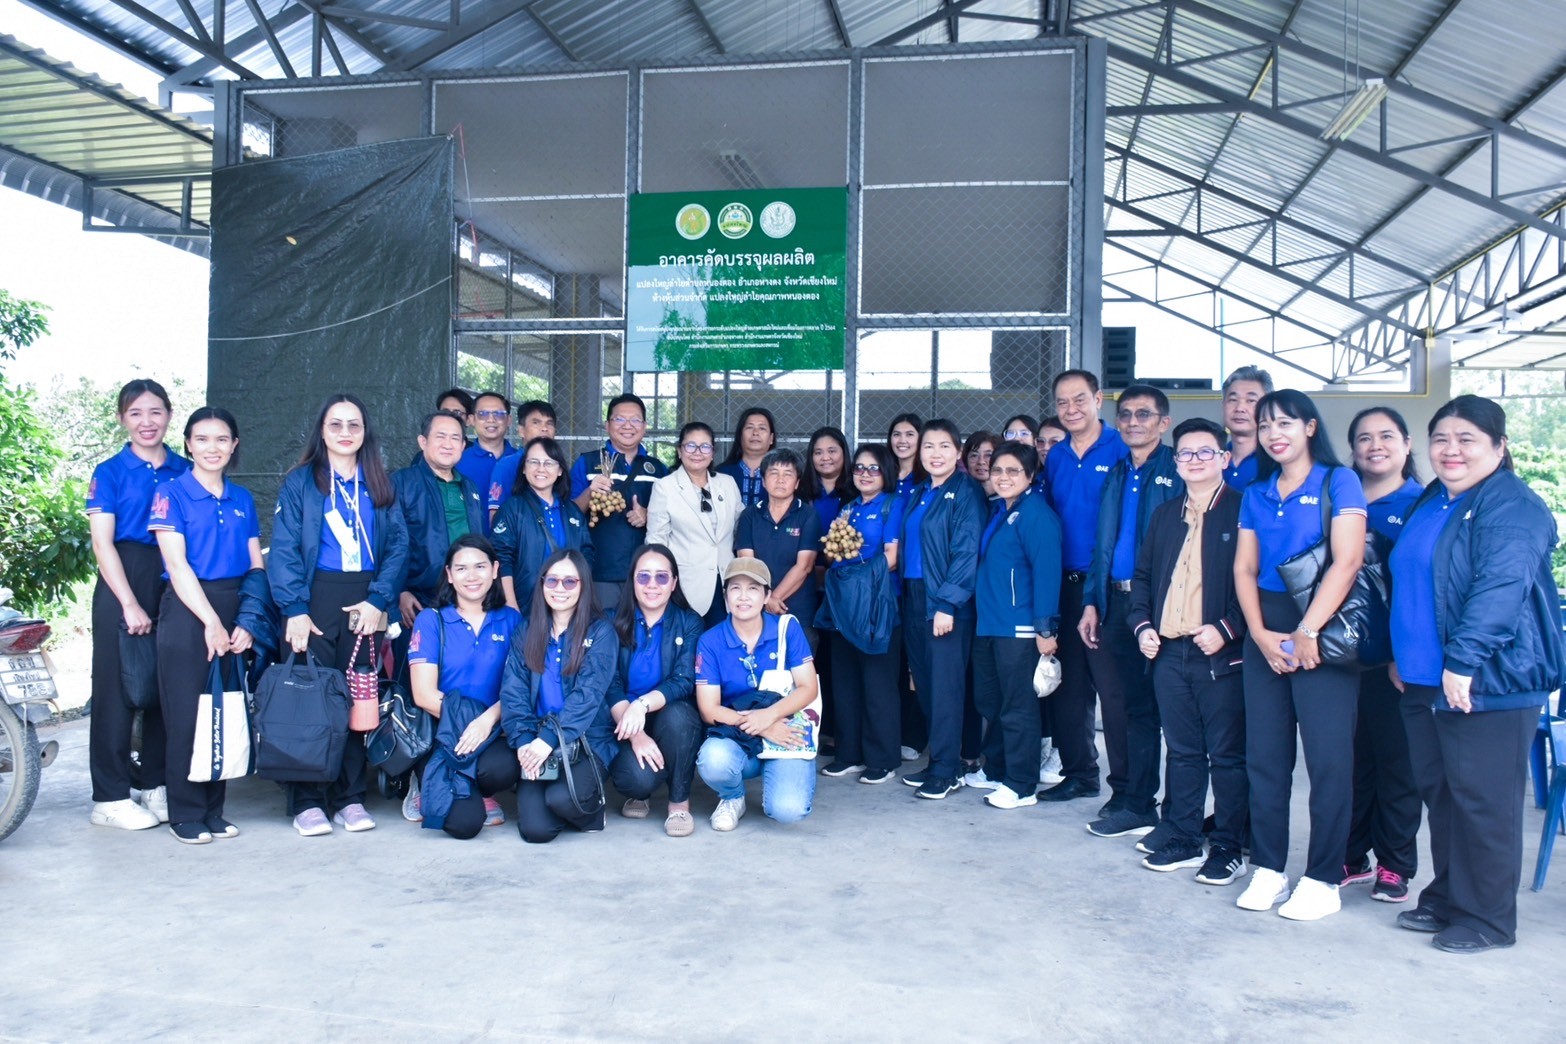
330 272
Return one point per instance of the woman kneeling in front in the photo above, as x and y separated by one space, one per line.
552 699
730 661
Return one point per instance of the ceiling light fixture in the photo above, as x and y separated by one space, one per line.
1371 93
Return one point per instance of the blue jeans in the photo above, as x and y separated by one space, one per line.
787 784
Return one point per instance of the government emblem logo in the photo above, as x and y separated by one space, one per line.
777 219
692 221
734 220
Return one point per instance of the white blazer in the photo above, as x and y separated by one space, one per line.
702 541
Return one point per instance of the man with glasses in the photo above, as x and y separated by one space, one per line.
620 465
1138 484
1076 470
491 421
535 420
439 504
1187 621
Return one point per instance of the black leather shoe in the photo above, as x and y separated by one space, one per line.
1068 790
1421 920
1462 939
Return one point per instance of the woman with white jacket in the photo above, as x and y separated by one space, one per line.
693 511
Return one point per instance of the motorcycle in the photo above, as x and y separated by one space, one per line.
27 693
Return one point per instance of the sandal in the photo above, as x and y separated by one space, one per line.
679 824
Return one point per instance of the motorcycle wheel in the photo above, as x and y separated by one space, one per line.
19 770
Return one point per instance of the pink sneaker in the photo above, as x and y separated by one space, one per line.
493 814
1353 875
312 822
354 818
1390 886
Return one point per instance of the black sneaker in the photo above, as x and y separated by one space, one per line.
1069 790
1122 822
1176 855
875 776
916 779
190 833
1223 866
217 826
1390 886
841 768
937 789
1161 835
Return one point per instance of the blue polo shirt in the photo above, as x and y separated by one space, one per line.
879 520
1416 641
779 543
615 539
752 492
551 690
217 530
1387 514
906 485
122 486
1285 527
721 658
645 669
473 662
501 479
1122 563
828 507
1075 486
910 563
1240 475
353 504
478 463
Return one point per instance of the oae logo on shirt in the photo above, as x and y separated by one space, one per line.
1310 500
1101 467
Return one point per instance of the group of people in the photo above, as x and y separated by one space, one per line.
612 620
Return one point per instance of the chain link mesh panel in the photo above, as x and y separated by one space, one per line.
304 121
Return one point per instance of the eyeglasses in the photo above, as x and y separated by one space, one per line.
696 448
568 583
1204 454
1013 436
625 422
338 427
867 469
706 500
492 414
1140 416
661 578
1007 472
543 463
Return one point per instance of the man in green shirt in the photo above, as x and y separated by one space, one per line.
439 505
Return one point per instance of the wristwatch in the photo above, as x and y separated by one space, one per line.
645 702
1046 635
1307 632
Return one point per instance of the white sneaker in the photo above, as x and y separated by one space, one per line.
1312 901
412 808
125 814
1267 889
908 754
978 779
1005 797
728 813
1049 764
156 801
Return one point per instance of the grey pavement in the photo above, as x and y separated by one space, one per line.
880 918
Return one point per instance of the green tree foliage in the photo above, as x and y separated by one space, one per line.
45 547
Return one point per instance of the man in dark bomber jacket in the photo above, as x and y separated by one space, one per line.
429 491
1194 638
1136 486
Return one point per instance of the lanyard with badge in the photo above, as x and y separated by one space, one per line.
349 530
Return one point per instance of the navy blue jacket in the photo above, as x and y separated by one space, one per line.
1160 483
1497 609
682 629
586 709
447 777
522 540
860 603
258 615
1019 572
296 546
424 511
949 544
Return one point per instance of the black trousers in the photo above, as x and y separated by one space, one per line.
678 731
1204 729
940 673
868 700
545 808
1130 712
1472 770
1084 675
1313 710
333 647
109 727
913 729
496 771
1003 688
183 673
1386 798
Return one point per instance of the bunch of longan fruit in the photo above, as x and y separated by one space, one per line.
602 505
842 542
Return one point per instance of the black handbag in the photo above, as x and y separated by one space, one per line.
139 668
300 721
406 732
1359 634
572 754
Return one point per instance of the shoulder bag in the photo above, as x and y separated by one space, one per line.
406 731
780 680
1359 634
139 668
222 748
565 755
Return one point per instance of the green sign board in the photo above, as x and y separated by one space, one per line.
740 280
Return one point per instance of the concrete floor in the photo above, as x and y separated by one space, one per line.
880 918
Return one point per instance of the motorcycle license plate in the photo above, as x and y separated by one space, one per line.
25 677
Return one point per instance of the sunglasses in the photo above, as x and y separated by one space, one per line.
867 469
567 583
661 578
706 500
